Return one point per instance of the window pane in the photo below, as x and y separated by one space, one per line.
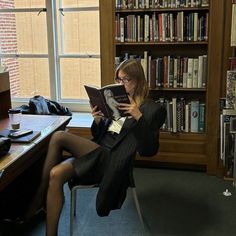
23 33
80 3
80 33
75 73
22 3
28 76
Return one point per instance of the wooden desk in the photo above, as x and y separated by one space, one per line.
22 156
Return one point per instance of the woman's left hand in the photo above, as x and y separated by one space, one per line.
131 109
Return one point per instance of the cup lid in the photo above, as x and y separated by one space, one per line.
14 111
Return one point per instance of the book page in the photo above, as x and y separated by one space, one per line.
113 95
108 98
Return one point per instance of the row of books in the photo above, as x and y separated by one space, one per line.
162 27
227 141
172 72
183 116
142 4
227 114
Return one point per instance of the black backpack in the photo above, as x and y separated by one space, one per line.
41 106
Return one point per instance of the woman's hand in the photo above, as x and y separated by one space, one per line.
131 109
97 115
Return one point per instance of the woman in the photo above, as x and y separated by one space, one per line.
107 158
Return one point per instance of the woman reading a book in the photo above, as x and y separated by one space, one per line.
106 159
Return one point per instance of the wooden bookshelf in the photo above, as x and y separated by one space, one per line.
228 51
184 150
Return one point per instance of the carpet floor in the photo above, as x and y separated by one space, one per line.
173 203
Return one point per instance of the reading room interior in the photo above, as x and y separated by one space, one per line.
117 117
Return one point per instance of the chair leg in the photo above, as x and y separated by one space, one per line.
72 210
74 196
137 206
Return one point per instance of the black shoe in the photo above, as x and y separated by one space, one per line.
12 227
16 221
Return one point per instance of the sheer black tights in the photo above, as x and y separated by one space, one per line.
56 172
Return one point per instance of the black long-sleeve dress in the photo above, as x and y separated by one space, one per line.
109 165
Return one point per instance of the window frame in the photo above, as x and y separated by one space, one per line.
53 55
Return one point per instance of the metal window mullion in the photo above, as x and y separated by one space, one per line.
72 9
61 27
15 10
14 55
52 47
79 56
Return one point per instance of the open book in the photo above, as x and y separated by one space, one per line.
107 99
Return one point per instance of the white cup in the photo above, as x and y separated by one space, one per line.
15 118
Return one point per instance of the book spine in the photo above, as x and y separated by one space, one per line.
190 73
204 71
185 72
232 63
122 29
174 114
231 89
233 25
195 72
201 124
145 65
200 67
187 115
194 116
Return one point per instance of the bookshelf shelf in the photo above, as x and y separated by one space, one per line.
162 43
162 9
180 89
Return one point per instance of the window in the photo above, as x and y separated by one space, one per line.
51 48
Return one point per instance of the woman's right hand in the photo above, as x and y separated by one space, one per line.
97 115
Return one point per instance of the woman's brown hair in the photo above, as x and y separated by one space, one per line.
134 70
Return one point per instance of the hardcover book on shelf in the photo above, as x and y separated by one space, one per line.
232 63
200 71
187 117
174 114
108 98
204 71
180 114
194 116
201 121
233 25
190 73
231 89
195 72
205 3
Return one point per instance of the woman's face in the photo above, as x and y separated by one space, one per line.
129 83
